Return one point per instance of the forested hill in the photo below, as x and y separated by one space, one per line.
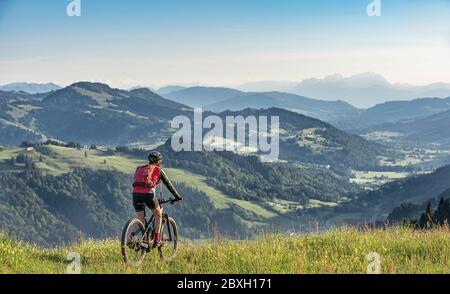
60 194
376 205
54 210
94 113
89 113
430 130
307 139
246 177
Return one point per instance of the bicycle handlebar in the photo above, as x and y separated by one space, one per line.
171 201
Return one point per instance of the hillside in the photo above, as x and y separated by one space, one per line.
377 205
30 88
247 178
56 210
310 140
236 195
169 89
90 113
201 96
222 99
394 111
93 113
426 131
402 251
329 111
408 211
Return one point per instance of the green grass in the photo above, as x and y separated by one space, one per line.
19 111
401 250
220 200
376 177
7 154
66 159
313 203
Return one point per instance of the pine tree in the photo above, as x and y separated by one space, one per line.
442 214
426 219
441 203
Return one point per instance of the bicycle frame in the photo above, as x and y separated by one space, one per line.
150 224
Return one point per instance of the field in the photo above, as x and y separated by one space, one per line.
219 199
401 250
376 178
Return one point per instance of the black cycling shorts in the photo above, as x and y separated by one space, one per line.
141 200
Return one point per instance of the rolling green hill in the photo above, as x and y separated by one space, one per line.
412 211
308 140
431 130
376 205
201 96
55 210
90 113
329 111
31 88
393 111
94 113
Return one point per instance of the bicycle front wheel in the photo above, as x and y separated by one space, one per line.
169 239
132 237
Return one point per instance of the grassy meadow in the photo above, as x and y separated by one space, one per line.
401 250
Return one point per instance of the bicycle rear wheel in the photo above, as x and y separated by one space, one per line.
169 239
132 251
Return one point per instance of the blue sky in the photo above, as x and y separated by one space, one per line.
146 42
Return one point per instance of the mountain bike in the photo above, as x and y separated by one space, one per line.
137 238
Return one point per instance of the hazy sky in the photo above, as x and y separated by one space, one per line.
225 42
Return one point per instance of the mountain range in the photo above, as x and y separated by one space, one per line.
90 113
309 140
202 96
222 99
339 113
94 113
30 88
79 111
393 111
361 90
233 191
169 89
433 129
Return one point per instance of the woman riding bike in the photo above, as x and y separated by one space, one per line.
146 179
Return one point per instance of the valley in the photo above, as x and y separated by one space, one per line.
324 178
277 137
